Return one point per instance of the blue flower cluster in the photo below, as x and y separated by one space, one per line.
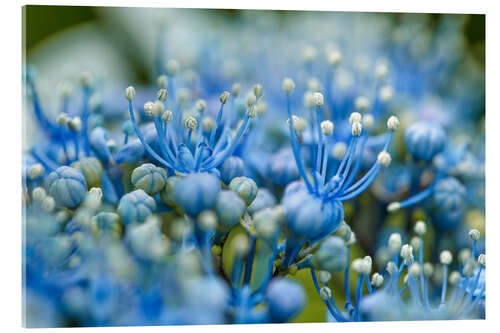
200 204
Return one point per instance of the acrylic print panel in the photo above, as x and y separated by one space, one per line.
197 166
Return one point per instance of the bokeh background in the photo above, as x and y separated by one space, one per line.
118 44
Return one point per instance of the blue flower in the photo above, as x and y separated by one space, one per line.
135 206
285 298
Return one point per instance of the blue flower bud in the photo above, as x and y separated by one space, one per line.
264 199
98 139
106 223
167 194
331 255
449 202
245 187
135 206
229 208
286 298
149 177
130 153
67 186
308 218
424 140
91 169
282 168
231 168
196 192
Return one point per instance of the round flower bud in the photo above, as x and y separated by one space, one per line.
200 105
377 280
75 124
36 171
167 116
257 90
264 199
325 293
428 269
157 109
172 67
288 85
356 129
191 123
130 93
149 178
246 188
474 234
445 257
327 127
420 228
285 298
38 194
407 253
395 242
454 278
414 270
135 206
162 81
391 268
148 108
207 220
424 140
482 259
236 89
393 123
224 97
250 99
196 192
324 277
229 208
384 158
386 93
354 117
92 170
162 94
231 168
48 204
331 255
362 103
339 149
67 186
318 99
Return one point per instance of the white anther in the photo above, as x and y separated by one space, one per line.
252 111
327 127
258 90
362 103
420 228
414 270
224 97
172 67
482 259
395 242
148 108
393 206
368 121
130 93
62 119
474 234
38 194
391 268
407 253
416 242
324 277
381 71
236 89
261 107
351 239
313 84
377 280
464 255
207 124
325 293
207 220
368 264
250 99
36 171
240 245
75 124
162 81
334 58
386 93
299 124
339 149
309 54
356 129
428 269
200 105
454 278
354 117
393 123
167 116
158 109
162 95
445 257
318 99
384 158
190 122
288 85
308 99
